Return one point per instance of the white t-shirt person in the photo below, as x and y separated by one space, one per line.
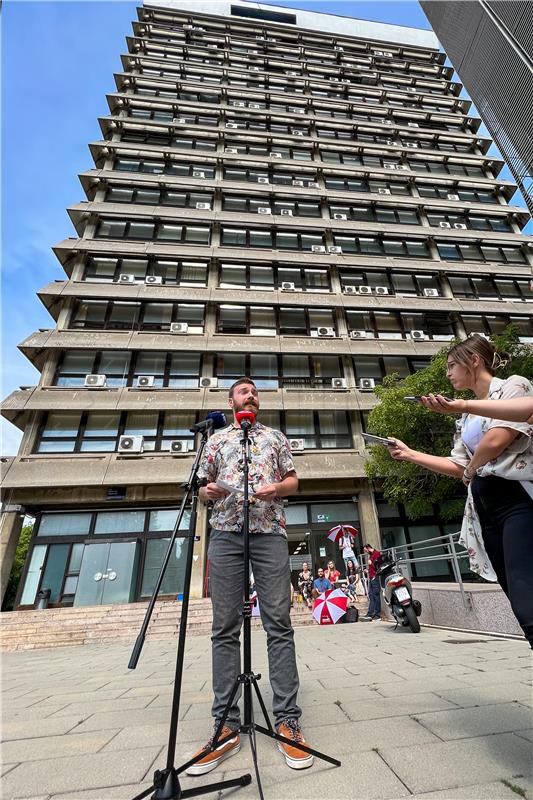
346 545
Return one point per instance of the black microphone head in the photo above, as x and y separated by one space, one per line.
217 419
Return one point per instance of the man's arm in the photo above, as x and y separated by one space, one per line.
211 492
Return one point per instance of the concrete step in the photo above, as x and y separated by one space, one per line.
64 627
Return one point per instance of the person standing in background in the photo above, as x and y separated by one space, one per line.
374 589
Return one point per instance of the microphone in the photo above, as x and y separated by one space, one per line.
245 419
214 420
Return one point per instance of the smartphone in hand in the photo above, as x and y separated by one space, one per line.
370 439
417 398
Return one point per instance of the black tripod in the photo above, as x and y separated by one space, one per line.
166 782
248 679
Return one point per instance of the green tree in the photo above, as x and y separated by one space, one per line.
18 565
402 482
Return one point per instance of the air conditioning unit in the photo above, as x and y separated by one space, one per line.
379 53
389 166
296 445
124 277
254 105
264 210
351 290
231 151
340 216
402 167
144 381
151 280
290 72
231 125
297 183
411 89
275 154
411 144
452 196
208 383
431 293
365 290
188 27
179 327
197 174
298 133
211 46
384 191
179 446
338 49
387 53
444 225
286 212
95 381
381 290
130 444
339 383
388 122
254 69
182 120
389 142
366 384
459 225
413 125
262 180
238 104
203 207
417 335
313 185
324 332
334 80
288 286
358 334
318 248
335 249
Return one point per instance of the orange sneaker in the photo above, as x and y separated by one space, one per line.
295 758
217 756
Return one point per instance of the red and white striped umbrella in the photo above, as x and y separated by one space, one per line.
330 606
342 530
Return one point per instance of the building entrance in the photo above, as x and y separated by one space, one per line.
108 573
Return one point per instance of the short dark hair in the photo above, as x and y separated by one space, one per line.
368 545
238 383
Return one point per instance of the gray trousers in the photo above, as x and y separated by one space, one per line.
269 557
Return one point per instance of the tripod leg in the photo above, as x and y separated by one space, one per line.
253 747
263 707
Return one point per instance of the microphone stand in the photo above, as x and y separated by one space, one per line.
166 782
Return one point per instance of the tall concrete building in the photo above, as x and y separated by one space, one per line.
490 44
298 197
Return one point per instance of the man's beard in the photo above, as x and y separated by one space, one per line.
249 405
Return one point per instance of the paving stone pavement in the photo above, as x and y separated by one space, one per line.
436 716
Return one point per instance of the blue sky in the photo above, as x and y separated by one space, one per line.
58 60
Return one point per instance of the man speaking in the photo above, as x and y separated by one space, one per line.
271 478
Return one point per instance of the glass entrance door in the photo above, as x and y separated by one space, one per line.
108 573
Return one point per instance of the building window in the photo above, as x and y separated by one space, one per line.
146 195
259 276
273 371
474 252
162 231
121 315
169 369
99 431
377 367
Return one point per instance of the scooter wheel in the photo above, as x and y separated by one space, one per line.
412 619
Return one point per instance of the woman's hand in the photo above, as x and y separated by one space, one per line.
442 405
399 451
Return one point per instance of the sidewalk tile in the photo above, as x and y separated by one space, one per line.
450 764
468 723
55 746
79 772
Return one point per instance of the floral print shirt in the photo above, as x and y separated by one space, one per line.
271 461
514 464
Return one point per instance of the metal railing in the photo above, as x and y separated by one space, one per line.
406 554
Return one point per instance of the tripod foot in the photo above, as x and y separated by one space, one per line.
167 786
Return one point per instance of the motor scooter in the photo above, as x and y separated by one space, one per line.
397 593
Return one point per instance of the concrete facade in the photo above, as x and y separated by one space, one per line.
221 126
